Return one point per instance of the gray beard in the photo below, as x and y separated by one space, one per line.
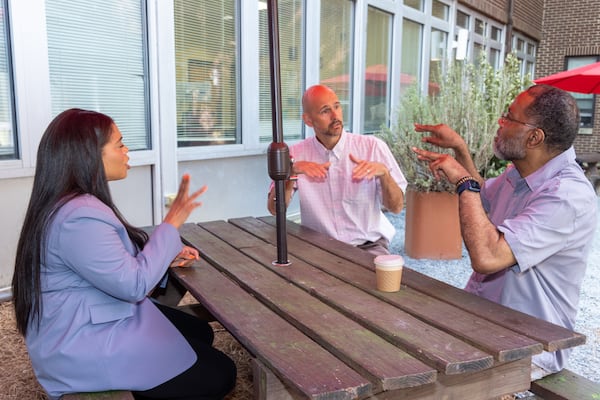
509 149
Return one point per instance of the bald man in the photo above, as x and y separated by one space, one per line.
343 179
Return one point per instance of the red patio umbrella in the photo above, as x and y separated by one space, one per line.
584 79
376 80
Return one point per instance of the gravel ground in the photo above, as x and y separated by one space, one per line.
585 359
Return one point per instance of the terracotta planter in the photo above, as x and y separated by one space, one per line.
432 227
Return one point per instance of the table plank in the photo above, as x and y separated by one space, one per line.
489 384
491 338
434 347
387 366
315 372
552 337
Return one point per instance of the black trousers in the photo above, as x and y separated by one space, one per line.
213 374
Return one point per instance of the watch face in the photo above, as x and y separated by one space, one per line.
474 186
470 184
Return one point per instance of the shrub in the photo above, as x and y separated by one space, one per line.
470 100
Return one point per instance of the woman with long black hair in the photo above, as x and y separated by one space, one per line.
83 274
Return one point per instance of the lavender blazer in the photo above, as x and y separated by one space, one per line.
98 329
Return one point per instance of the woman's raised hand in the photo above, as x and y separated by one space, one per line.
184 203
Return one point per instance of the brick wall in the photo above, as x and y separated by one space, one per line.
562 28
571 28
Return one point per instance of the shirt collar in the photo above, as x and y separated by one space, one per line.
338 149
546 172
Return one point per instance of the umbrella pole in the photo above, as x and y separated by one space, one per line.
278 153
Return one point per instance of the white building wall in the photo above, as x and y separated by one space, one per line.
236 175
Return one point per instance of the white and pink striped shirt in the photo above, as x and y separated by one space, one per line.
347 210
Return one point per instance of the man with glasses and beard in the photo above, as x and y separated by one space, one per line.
528 231
343 179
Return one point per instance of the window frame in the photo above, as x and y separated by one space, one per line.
16 151
30 82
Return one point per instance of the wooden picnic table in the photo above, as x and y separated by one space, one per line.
319 329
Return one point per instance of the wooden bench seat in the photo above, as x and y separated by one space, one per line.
108 395
566 385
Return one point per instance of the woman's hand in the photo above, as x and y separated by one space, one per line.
184 203
186 257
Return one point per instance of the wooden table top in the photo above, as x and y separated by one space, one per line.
323 314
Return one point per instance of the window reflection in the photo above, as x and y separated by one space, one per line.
100 69
206 72
376 111
8 141
291 14
337 43
585 102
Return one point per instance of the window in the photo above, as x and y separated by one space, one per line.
206 72
97 62
495 60
478 51
412 44
337 42
377 68
439 44
520 45
8 140
461 36
524 49
290 47
479 27
440 10
496 34
416 4
462 20
586 102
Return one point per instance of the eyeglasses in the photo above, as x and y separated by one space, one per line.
505 117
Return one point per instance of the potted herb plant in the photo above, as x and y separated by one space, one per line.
470 99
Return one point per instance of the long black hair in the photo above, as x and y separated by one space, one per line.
69 164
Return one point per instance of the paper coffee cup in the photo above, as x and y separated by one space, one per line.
388 269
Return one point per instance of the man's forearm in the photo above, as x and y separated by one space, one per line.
463 156
393 197
488 250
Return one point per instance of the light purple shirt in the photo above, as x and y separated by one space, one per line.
548 219
347 210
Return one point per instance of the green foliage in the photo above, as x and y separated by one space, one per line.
470 100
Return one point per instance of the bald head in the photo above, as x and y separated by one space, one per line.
313 93
322 111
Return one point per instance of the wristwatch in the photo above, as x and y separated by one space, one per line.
292 177
470 184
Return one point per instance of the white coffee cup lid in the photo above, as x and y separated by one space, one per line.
389 261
